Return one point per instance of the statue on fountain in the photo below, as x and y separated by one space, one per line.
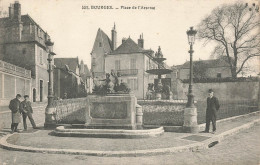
166 90
150 91
110 86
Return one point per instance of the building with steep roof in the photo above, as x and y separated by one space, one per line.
69 78
22 43
102 46
129 59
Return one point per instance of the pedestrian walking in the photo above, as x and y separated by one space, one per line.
14 106
211 112
27 110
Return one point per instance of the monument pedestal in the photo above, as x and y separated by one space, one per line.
112 111
190 120
50 121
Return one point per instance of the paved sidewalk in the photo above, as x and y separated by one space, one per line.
169 142
38 115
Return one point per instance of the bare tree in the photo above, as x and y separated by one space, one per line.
200 69
235 29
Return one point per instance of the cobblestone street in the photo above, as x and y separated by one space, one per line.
242 148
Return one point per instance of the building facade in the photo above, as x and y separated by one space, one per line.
129 59
13 80
67 78
86 77
22 43
215 68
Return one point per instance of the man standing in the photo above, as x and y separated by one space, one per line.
14 106
27 110
211 113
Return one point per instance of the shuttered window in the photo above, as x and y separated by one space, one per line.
133 63
133 83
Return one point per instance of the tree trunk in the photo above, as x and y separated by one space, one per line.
233 72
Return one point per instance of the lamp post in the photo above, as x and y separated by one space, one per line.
50 109
191 38
190 113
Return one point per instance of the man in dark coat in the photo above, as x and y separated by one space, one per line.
14 106
211 113
27 110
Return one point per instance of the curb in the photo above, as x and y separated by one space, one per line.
192 147
202 126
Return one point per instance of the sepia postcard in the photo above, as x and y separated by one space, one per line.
129 82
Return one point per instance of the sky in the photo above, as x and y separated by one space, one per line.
74 29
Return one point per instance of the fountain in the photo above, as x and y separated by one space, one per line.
159 72
111 112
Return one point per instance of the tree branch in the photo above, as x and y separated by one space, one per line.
243 63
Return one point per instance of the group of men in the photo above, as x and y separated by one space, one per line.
21 108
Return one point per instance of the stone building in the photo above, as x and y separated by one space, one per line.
215 68
130 59
86 77
22 43
202 69
13 80
66 77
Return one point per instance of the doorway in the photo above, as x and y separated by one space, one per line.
34 95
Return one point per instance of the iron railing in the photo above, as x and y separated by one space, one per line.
127 72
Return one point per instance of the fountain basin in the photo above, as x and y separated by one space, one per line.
70 131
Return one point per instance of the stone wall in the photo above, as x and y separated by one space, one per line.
228 108
171 113
71 111
247 90
163 112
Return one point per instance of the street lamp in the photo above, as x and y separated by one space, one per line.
50 109
190 123
191 38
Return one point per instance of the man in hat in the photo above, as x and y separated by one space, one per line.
14 106
211 113
27 110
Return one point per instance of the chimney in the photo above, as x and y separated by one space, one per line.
141 41
114 37
82 67
123 40
11 11
17 11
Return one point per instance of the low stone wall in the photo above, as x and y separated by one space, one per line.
163 112
156 112
228 108
171 113
71 111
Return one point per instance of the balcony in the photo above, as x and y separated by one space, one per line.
127 72
15 70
